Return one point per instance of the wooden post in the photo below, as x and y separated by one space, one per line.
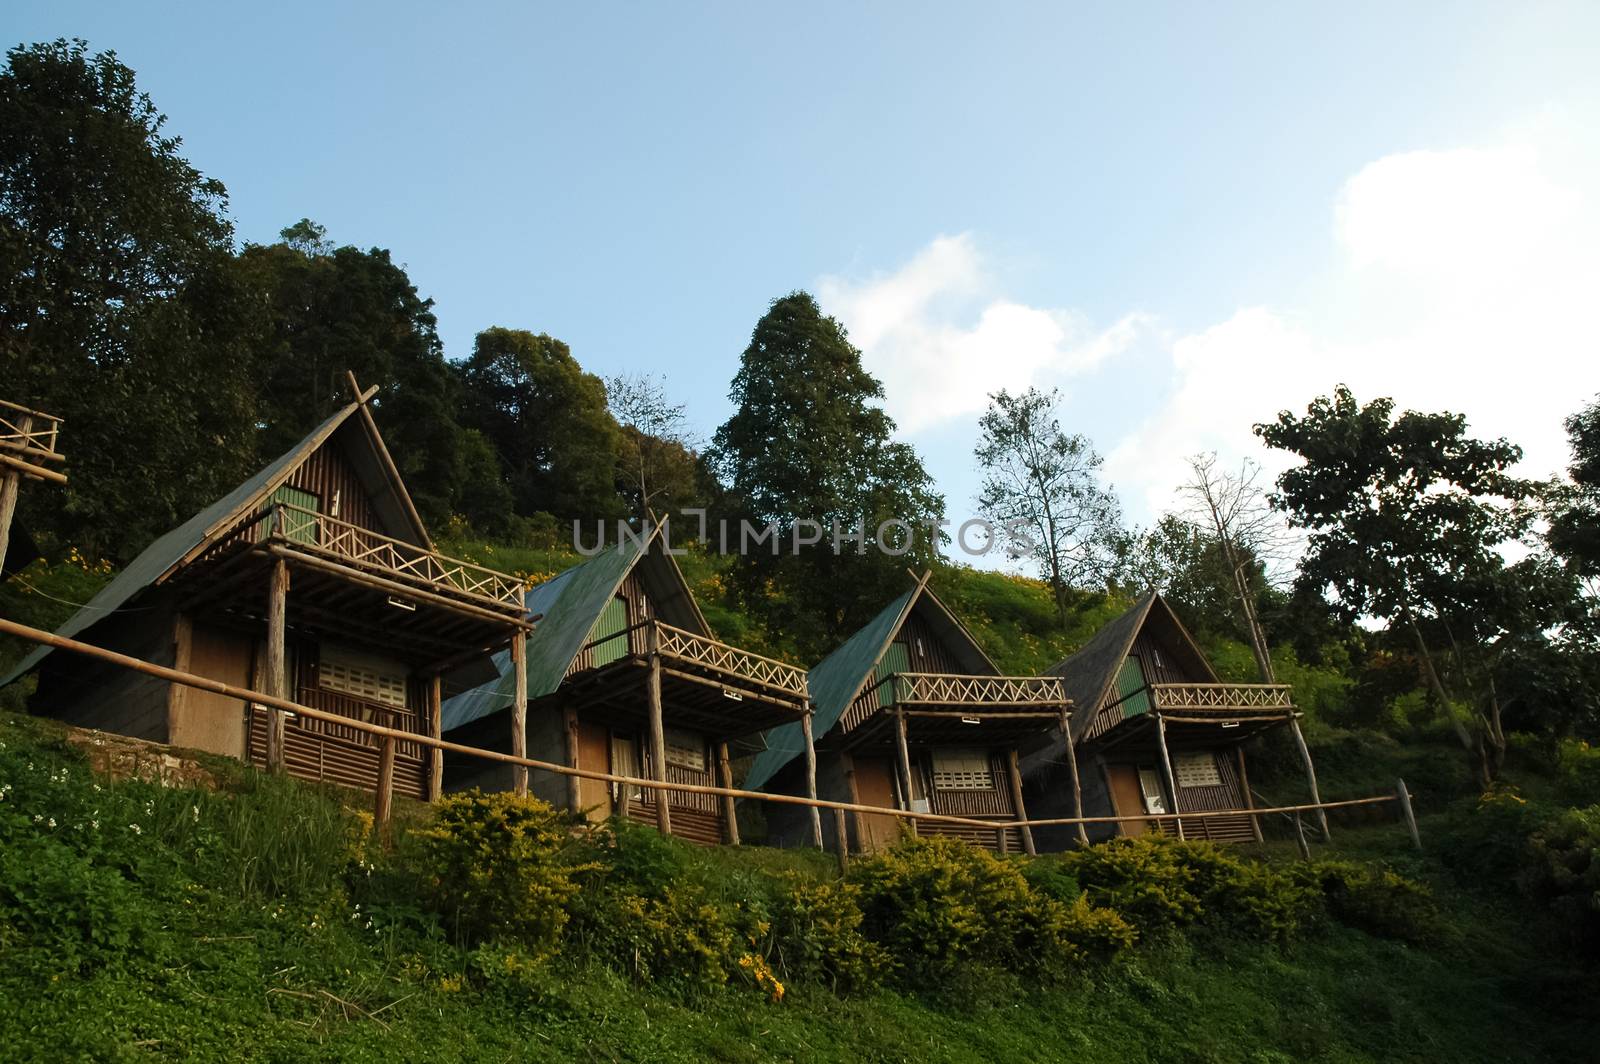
1311 776
904 751
855 799
385 797
277 606
658 733
10 488
569 725
1300 837
811 777
841 841
1244 785
1077 784
1166 767
519 711
435 731
1406 813
1015 774
729 810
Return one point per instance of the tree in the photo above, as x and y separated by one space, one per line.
808 442
548 421
332 310
1406 519
120 305
656 461
1046 481
1575 525
1247 533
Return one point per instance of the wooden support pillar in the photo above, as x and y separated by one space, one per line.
1015 774
903 749
569 727
729 810
811 778
519 711
1166 767
858 817
10 488
1406 814
841 841
384 803
1077 784
1311 776
277 606
435 731
658 733
1300 837
1244 785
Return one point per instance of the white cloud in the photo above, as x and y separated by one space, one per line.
941 338
1466 280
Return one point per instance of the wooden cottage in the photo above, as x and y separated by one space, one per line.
625 677
1157 732
912 714
314 580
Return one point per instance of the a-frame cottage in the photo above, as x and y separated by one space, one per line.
1157 732
625 677
315 581
912 714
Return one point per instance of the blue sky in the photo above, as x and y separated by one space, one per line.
1185 216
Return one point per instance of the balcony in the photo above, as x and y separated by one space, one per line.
956 708
686 651
1227 699
1249 707
28 442
948 689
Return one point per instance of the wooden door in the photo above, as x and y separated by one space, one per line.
874 785
594 752
202 720
1127 798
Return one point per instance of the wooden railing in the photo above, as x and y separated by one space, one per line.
306 530
745 664
950 689
28 439
1219 697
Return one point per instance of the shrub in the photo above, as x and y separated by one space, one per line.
817 936
676 938
1562 869
1376 900
499 866
1142 878
1095 931
1578 771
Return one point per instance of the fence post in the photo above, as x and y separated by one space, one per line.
1405 811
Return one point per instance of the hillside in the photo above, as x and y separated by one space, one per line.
146 923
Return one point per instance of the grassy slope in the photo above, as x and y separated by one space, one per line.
226 936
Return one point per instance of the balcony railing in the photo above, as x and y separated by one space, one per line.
318 534
951 689
1220 697
28 439
685 647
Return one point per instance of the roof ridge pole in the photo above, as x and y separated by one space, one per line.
1077 783
1166 766
811 776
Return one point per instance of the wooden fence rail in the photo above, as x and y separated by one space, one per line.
393 735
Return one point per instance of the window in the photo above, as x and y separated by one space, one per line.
297 527
962 770
686 749
611 627
363 676
896 659
625 762
1197 770
1131 687
1150 784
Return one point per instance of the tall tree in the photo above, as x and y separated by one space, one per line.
119 306
1044 480
807 442
1575 525
1406 517
548 421
1234 509
656 461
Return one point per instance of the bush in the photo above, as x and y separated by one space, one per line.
1377 901
677 938
498 866
1578 772
1562 869
817 936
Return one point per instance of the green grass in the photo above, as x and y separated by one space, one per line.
228 930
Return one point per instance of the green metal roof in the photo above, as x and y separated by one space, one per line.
571 603
834 683
156 560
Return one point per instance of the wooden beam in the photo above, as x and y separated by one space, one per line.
1406 814
1077 783
841 841
383 803
394 587
435 731
658 731
182 658
277 610
725 777
1166 767
1014 773
569 727
904 752
1311 776
855 799
10 488
25 468
519 711
811 778
1244 785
